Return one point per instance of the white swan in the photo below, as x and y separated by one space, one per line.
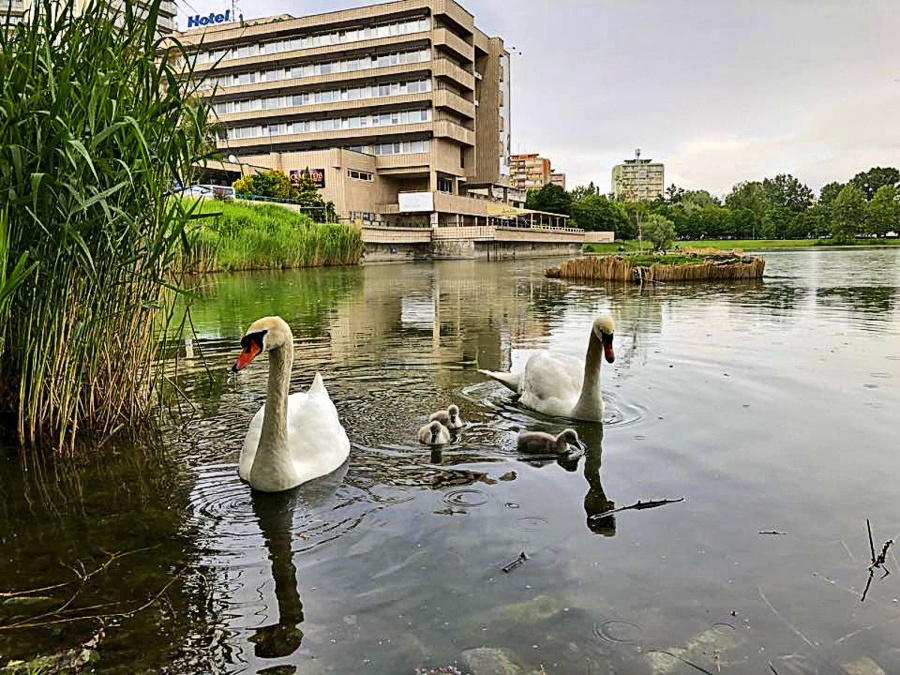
449 418
292 439
561 385
434 433
540 441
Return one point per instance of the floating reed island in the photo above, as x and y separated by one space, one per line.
691 265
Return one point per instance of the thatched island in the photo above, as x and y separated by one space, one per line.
690 265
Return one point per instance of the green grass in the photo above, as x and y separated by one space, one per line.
96 125
631 245
267 236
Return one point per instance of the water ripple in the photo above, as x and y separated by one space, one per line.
617 631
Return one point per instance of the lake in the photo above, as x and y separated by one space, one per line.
770 407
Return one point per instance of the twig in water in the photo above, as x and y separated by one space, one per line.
649 504
513 564
771 532
877 561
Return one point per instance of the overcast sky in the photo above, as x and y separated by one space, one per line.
719 90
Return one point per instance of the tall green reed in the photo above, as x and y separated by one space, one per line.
97 123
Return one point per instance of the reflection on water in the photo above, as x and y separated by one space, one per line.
769 405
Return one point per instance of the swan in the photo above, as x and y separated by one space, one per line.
449 418
539 441
562 385
434 433
292 439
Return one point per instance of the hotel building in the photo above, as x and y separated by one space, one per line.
638 179
400 110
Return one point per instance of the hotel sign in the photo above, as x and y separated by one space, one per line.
196 21
318 177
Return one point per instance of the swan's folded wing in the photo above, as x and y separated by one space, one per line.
552 382
510 380
318 442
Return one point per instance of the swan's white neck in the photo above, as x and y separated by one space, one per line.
590 403
273 445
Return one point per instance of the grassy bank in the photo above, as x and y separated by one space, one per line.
631 245
266 236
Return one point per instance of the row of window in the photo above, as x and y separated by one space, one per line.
309 98
331 124
320 40
366 216
360 175
313 69
396 148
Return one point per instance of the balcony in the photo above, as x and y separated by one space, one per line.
446 40
444 98
448 9
317 81
448 129
446 68
337 52
327 109
344 136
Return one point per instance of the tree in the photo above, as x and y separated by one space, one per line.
786 191
829 192
848 214
583 191
674 194
273 184
659 230
883 212
550 198
701 198
596 213
307 195
748 195
876 177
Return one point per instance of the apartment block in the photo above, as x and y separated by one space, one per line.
529 171
402 108
18 10
559 179
638 179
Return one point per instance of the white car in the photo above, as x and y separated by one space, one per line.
217 191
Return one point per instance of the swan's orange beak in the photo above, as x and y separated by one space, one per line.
608 348
247 355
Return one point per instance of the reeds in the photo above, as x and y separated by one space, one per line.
267 236
97 124
615 268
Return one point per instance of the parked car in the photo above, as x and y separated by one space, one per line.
205 190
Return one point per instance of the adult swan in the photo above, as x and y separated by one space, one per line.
292 439
561 385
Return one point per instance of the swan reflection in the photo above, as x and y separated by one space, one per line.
596 501
275 514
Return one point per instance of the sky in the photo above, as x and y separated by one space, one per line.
720 91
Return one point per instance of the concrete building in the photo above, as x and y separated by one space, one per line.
557 178
529 171
400 109
17 10
638 179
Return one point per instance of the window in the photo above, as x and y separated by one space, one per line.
445 185
360 175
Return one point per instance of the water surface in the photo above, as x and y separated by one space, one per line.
769 406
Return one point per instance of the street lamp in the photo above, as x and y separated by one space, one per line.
234 160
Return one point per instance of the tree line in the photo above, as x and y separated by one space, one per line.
774 208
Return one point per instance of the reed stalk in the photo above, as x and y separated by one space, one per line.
615 268
97 122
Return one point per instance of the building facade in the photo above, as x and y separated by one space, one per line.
559 179
529 171
17 10
638 179
397 108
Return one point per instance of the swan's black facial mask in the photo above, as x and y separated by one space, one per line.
251 344
607 340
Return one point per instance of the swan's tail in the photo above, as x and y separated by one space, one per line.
318 386
510 380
